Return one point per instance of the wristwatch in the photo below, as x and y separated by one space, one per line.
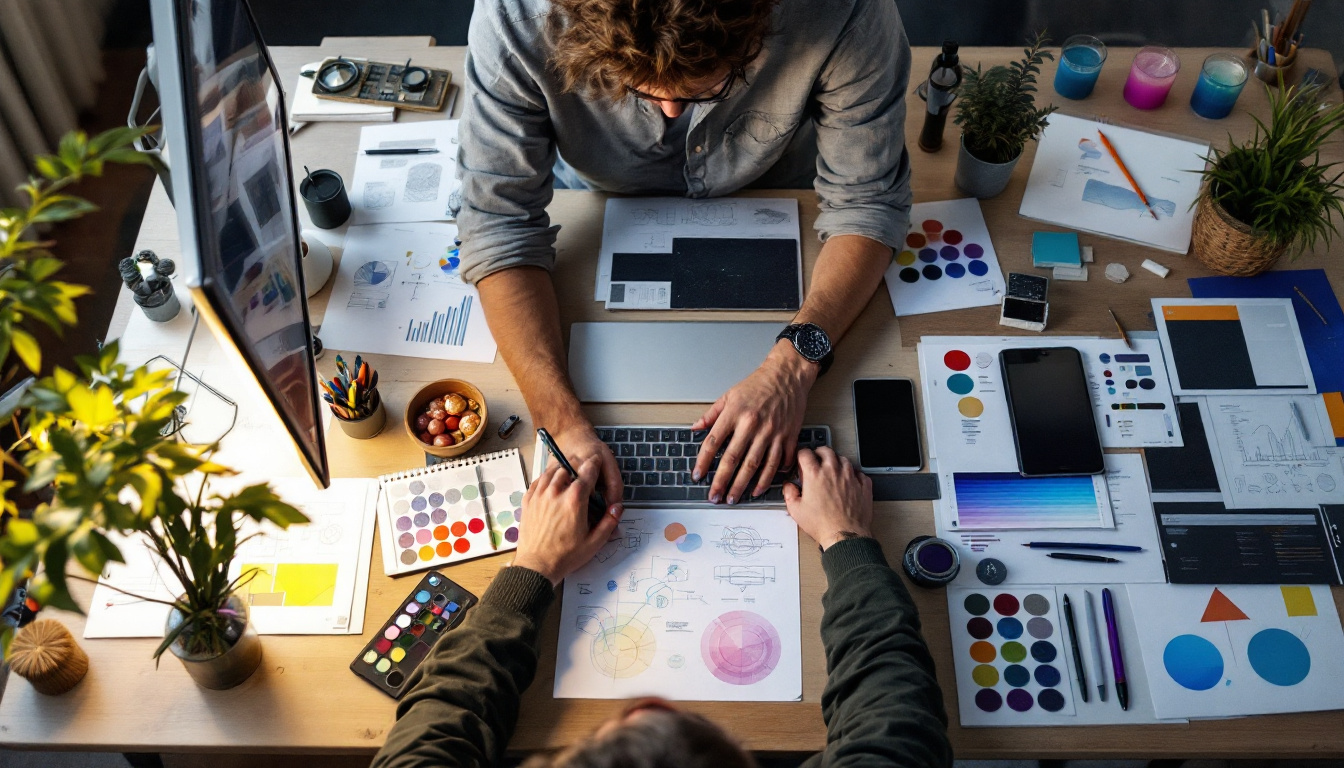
811 342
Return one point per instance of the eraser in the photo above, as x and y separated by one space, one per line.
1116 272
1155 268
1075 274
1087 254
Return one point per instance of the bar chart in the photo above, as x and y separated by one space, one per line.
447 327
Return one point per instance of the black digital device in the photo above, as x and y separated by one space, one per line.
1050 406
884 416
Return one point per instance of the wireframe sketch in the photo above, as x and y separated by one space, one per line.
742 541
393 162
372 273
379 194
1089 149
366 300
454 203
768 216
653 240
1098 192
422 182
628 539
710 215
650 216
743 576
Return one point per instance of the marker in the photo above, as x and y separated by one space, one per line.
1094 638
1081 545
1077 654
1297 415
418 151
1082 558
597 506
1117 655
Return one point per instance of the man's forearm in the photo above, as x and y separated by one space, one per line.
524 317
847 274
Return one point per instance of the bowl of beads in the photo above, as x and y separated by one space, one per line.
446 418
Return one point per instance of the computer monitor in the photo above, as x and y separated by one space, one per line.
233 187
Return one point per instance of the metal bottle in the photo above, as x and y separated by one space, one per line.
938 92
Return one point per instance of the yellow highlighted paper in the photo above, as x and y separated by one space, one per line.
1298 601
306 584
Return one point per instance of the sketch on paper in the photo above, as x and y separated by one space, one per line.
743 541
422 183
372 273
710 215
1265 459
379 195
649 216
743 576
366 300
407 188
769 216
1098 192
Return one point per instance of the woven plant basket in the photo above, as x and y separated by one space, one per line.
1228 246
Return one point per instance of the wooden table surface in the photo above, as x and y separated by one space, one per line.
303 699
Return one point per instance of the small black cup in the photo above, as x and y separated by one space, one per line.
324 195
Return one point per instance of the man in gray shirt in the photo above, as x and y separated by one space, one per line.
683 97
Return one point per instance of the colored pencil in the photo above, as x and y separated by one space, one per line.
1116 156
352 393
1312 306
1120 328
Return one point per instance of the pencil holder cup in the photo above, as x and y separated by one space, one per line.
1280 69
367 427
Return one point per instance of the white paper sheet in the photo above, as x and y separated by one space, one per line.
1269 335
648 224
313 579
688 604
400 188
1127 487
1262 458
1240 650
948 261
1075 183
398 292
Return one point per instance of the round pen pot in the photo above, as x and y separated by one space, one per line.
1228 246
980 179
367 427
1273 73
221 670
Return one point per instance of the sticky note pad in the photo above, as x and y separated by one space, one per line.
1055 249
1298 601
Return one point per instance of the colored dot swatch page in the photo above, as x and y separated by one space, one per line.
430 611
1010 651
1224 651
947 261
450 512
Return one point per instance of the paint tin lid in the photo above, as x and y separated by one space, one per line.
931 562
991 571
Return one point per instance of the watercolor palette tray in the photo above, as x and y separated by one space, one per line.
434 607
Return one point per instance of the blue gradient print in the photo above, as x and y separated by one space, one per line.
1008 500
1123 198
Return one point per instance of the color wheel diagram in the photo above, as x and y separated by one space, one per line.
741 648
1275 655
939 251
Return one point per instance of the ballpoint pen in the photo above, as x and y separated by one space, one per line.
1117 655
597 506
407 151
1297 416
1082 545
1094 638
1082 558
1073 642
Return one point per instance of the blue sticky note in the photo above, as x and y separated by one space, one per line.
1055 249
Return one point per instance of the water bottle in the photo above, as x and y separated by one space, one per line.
938 92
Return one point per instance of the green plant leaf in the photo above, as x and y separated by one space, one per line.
26 347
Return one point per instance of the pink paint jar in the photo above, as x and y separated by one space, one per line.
1150 77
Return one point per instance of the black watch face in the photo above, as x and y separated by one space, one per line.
812 342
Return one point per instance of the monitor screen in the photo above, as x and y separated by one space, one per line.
232 154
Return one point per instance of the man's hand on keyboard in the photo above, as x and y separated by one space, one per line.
579 444
755 426
836 500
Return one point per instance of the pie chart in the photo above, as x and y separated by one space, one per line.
372 273
740 648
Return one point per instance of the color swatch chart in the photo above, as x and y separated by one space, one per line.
434 607
948 261
1240 650
1009 650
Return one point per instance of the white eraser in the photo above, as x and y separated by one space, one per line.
1076 274
1087 254
1116 273
1155 268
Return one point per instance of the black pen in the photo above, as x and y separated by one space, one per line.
1077 653
405 151
597 506
1082 558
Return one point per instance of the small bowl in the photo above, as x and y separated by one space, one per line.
439 389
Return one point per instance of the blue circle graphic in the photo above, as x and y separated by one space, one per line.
1043 652
1047 676
954 270
1010 628
950 252
1279 657
1016 675
960 384
611 586
928 255
977 268
1193 662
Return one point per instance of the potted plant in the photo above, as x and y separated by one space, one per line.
1273 192
101 440
998 116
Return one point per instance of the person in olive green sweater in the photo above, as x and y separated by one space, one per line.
882 704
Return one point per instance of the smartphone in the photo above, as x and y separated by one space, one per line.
884 415
1050 407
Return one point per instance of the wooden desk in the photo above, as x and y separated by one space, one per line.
303 699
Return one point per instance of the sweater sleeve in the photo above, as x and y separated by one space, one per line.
882 703
462 704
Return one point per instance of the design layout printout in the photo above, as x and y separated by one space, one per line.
948 261
1233 346
1240 650
400 188
398 292
696 604
1265 460
1075 182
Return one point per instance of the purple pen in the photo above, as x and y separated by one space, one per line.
1117 657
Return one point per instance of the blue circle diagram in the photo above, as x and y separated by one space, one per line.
1010 628
1279 657
372 273
1193 662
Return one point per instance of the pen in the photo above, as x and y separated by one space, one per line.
1120 328
1117 656
1094 638
1297 415
1116 156
597 506
1309 304
1082 545
406 151
1082 558
1077 654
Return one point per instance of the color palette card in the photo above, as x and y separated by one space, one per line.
1010 654
979 501
1227 651
1233 346
432 516
1055 249
948 261
434 607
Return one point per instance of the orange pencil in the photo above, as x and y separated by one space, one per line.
1116 156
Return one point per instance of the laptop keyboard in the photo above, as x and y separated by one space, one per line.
656 463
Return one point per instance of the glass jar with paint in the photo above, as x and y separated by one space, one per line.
1080 62
1151 76
1220 82
931 562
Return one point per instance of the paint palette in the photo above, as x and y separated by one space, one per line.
436 605
1010 655
948 261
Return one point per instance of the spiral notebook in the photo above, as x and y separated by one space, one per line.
450 512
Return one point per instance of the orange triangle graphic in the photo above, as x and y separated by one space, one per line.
1220 608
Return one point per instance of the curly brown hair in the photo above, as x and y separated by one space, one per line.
604 46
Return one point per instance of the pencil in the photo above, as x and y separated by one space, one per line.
1116 156
1120 328
1309 304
